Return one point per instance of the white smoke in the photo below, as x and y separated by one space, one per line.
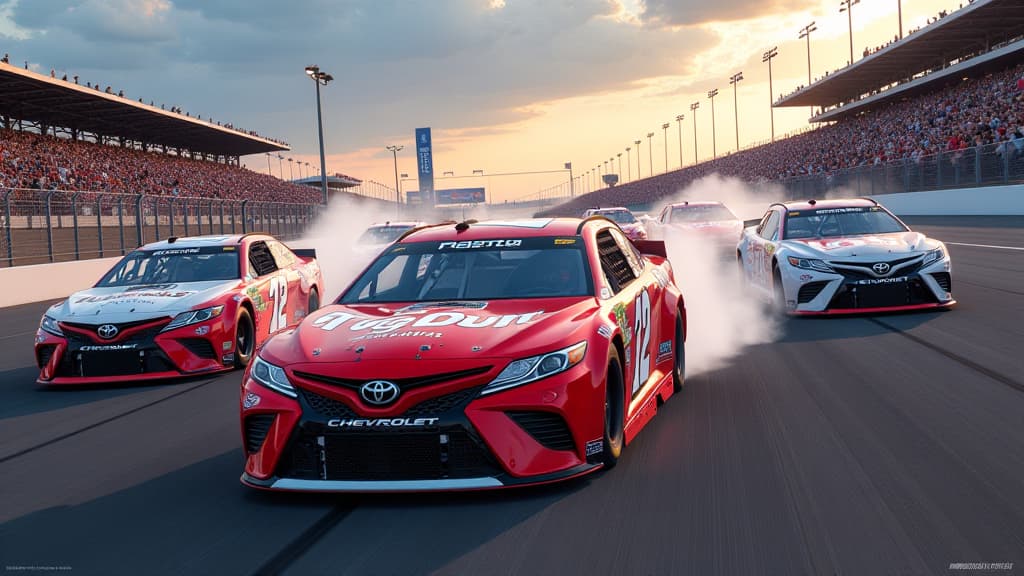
722 318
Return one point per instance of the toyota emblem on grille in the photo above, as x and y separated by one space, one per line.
379 392
107 331
881 268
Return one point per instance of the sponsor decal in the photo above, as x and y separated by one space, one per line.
838 210
227 358
250 400
357 323
174 251
605 293
104 348
477 348
623 321
202 330
805 277
629 354
316 351
872 281
605 331
258 302
564 241
664 350
852 242
150 287
229 248
769 249
406 334
470 244
381 422
134 296
595 447
226 345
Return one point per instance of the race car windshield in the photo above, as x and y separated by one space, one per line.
830 222
619 216
475 270
382 234
710 213
173 266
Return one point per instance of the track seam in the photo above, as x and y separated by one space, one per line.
303 542
997 376
100 423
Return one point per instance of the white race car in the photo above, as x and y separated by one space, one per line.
379 236
843 256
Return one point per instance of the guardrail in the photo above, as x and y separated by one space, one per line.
41 226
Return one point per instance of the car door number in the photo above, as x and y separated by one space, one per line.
642 339
279 296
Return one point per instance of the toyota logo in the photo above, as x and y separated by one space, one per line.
379 392
881 268
107 331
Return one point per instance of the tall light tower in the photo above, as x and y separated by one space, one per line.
650 151
629 167
767 57
693 113
637 143
679 122
664 132
805 32
847 6
398 191
619 157
735 80
320 78
714 145
291 173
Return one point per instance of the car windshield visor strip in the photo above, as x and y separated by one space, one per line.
173 266
832 222
493 269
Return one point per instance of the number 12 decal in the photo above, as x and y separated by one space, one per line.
642 339
279 294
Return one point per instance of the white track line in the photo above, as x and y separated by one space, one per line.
986 246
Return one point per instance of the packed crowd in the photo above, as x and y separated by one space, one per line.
32 161
988 112
6 59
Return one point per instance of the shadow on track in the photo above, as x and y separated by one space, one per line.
817 328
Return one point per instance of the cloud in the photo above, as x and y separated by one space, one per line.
672 13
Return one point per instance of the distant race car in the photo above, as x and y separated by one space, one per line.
713 222
524 352
843 256
633 228
377 236
179 307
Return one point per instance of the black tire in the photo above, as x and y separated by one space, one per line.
245 338
313 303
679 370
778 293
614 411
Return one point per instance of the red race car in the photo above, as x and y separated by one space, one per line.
711 221
470 356
180 307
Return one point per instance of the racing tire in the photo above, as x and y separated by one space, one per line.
679 367
245 338
614 411
778 292
313 304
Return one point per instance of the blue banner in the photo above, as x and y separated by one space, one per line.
460 196
425 165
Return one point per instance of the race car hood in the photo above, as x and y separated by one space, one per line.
719 226
132 303
433 331
866 247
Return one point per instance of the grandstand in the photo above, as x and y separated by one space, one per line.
901 119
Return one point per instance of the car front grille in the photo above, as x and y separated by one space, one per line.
547 428
201 347
944 280
810 291
256 428
44 354
433 407
911 292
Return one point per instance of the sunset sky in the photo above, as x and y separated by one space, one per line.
507 86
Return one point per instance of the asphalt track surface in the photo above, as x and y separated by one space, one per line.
857 446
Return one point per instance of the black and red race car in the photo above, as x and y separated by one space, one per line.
179 307
470 356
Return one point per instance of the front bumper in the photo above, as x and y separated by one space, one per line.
533 434
142 353
846 291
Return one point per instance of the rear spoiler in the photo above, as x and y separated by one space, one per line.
651 247
305 253
749 223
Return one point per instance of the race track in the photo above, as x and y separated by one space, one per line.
856 446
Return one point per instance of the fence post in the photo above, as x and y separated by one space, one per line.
977 165
99 222
210 214
245 223
138 219
938 169
221 204
120 220
74 223
7 227
49 227
170 208
1006 161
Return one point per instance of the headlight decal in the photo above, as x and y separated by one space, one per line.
194 316
50 325
272 377
809 264
527 370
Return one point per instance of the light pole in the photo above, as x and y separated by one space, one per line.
291 174
847 6
650 152
629 167
394 148
693 112
735 80
899 12
679 122
664 131
269 169
637 143
280 165
320 78
572 187
767 57
619 157
714 145
805 32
